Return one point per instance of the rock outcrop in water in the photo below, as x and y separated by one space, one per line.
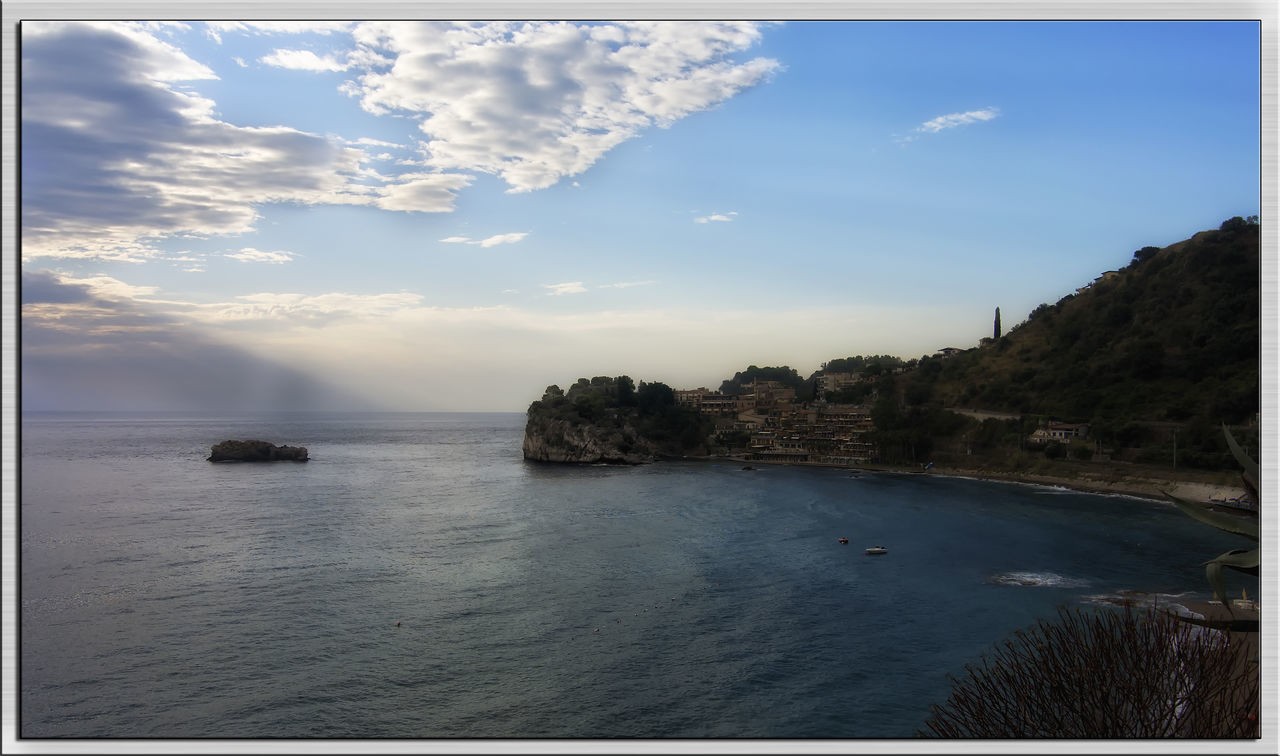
610 421
256 451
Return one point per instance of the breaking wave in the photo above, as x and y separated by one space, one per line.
1136 598
1037 580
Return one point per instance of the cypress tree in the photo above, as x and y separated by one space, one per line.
997 331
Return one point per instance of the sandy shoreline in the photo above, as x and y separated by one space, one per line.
1143 488
1138 486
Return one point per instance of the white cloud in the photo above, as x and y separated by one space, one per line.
303 60
573 287
422 192
533 102
952 120
370 141
626 284
215 29
491 241
118 156
106 287
303 308
249 254
717 218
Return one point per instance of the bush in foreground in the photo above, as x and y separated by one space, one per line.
1106 674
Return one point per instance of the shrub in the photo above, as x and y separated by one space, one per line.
1106 674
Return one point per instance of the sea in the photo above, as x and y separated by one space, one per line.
418 579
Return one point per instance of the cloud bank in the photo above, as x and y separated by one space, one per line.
98 344
533 102
115 155
119 153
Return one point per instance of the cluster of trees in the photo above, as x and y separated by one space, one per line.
873 364
785 375
649 407
807 388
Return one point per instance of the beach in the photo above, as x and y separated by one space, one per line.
1195 486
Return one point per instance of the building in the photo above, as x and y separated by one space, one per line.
1067 431
1061 432
836 381
691 398
710 402
771 394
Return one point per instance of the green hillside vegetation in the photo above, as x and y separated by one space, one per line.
1174 336
607 402
1154 357
1168 343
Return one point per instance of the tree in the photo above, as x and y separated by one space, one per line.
626 391
996 337
653 397
1144 254
1235 224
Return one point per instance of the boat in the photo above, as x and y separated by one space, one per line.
875 550
844 540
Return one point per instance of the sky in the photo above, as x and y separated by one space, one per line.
450 216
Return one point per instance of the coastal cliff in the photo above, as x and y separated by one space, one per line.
611 421
551 439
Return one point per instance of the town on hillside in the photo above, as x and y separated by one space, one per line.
766 422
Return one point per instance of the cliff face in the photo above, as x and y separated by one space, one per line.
553 439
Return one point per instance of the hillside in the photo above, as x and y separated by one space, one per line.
1167 345
1154 358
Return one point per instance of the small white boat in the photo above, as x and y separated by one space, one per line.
874 550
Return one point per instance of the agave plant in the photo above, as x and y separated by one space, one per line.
1240 560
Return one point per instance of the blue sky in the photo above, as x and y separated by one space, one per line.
451 217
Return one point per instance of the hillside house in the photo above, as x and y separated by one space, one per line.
1060 432
710 402
836 381
771 394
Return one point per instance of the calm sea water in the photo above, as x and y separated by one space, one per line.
418 579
